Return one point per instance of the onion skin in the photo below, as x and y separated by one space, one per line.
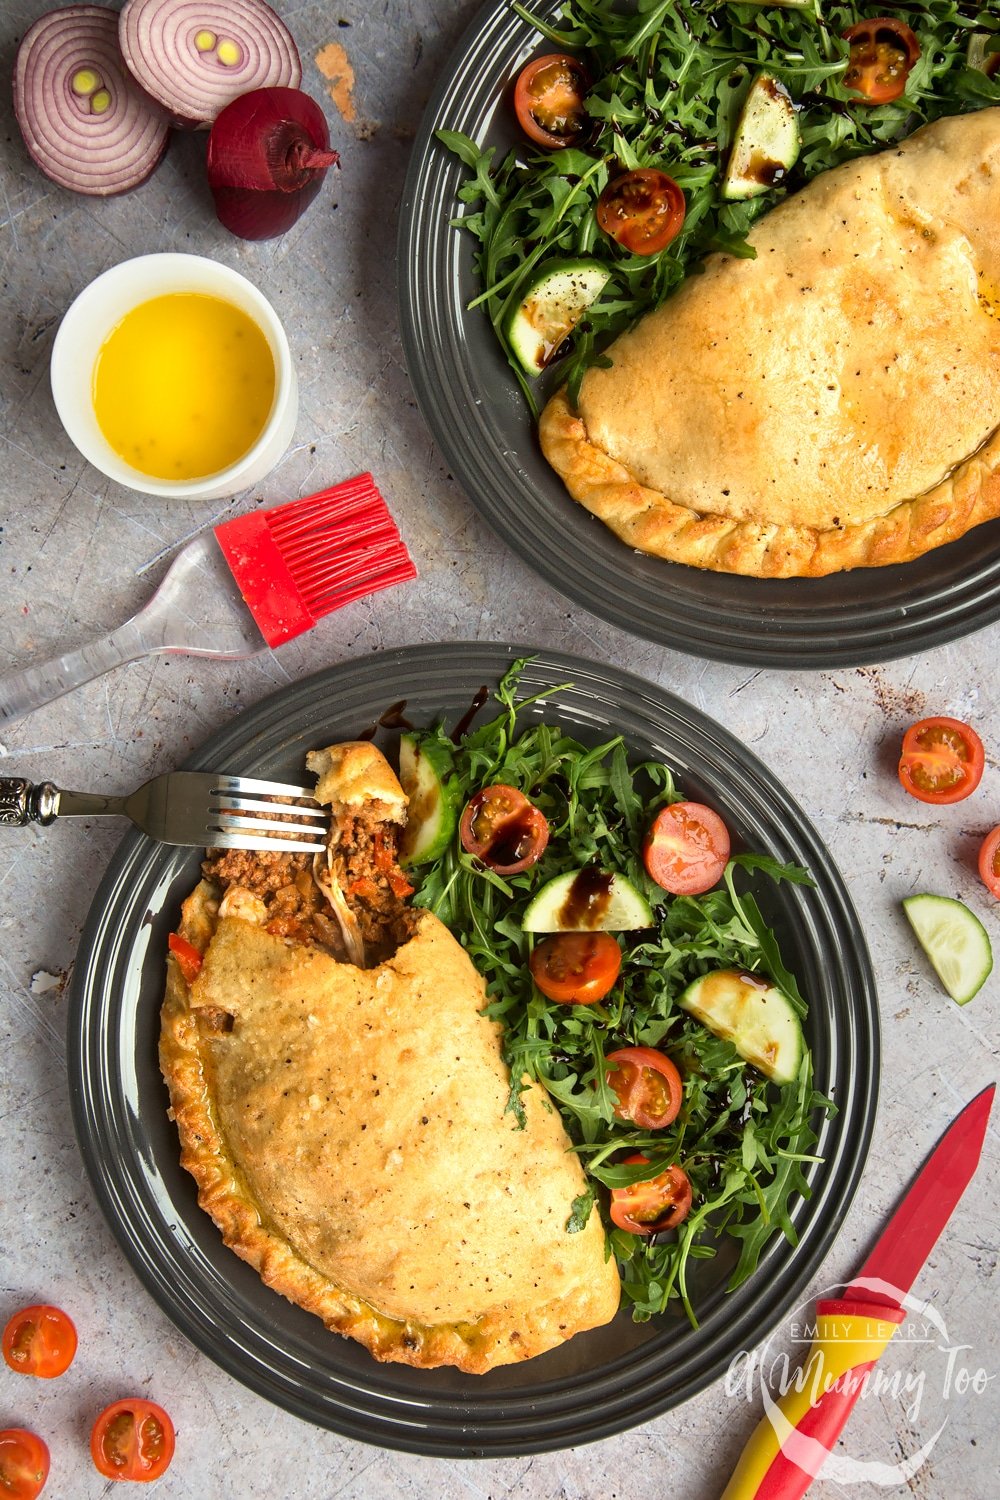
195 56
85 123
268 153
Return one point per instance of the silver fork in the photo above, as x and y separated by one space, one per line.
194 808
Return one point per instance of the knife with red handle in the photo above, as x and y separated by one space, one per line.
787 1449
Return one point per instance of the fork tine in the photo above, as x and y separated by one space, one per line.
237 784
278 830
227 822
224 840
229 802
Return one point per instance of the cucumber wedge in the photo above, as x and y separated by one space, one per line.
552 305
983 54
426 774
955 941
753 1014
766 142
588 900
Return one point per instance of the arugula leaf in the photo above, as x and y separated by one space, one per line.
583 1207
787 1179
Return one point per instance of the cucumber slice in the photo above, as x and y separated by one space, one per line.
755 1015
982 53
552 305
766 142
588 900
955 941
426 774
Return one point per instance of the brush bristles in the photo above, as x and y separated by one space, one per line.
340 544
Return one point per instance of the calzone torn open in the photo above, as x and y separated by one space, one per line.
833 403
341 1103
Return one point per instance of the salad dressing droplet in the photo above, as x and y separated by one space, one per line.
465 721
589 896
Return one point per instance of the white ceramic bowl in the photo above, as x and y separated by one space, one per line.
102 305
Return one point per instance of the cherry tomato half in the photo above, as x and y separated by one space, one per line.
503 829
883 50
548 100
643 210
989 862
648 1207
648 1086
132 1439
686 848
942 760
39 1340
24 1464
576 968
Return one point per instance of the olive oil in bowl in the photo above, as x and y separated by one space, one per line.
183 385
172 376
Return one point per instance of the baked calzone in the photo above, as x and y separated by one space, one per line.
341 1102
833 403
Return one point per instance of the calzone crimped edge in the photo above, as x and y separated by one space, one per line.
347 1126
833 403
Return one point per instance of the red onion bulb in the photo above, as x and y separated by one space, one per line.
268 153
84 121
194 56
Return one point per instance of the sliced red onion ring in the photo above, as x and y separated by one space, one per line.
195 56
84 121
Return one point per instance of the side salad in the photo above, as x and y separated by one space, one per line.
635 977
650 134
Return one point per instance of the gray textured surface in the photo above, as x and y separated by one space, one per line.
77 555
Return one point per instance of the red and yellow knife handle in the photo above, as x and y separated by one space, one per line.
787 1449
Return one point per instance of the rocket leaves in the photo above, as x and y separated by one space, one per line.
744 1141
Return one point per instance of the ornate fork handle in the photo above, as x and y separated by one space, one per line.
23 802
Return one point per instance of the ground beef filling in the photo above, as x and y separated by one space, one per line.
365 864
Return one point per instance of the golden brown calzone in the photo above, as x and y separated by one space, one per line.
832 404
347 1130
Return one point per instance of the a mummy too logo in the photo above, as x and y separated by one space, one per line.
921 1371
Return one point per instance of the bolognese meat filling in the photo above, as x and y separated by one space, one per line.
350 901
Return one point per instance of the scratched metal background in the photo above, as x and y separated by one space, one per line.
77 555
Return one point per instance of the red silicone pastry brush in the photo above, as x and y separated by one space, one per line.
246 585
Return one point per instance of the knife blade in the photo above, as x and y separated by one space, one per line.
786 1451
912 1232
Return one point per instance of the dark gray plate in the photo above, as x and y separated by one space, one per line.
600 1382
473 406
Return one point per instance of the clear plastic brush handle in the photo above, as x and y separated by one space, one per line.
197 611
